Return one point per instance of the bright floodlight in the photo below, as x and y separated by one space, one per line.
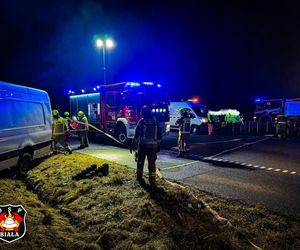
109 43
99 43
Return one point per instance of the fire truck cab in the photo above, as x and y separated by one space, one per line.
115 108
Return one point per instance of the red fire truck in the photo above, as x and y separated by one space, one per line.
115 108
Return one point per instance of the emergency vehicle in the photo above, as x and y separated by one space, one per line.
25 127
270 110
116 108
198 123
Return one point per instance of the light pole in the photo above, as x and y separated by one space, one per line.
104 44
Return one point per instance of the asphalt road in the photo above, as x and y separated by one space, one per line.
257 170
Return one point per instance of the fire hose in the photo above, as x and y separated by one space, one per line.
99 130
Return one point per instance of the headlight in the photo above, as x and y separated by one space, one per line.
204 120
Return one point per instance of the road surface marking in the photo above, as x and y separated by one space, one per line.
249 165
181 165
256 166
244 145
293 172
277 170
262 167
285 171
270 169
215 142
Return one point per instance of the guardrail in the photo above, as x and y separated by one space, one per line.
256 128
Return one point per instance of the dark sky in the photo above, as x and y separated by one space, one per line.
227 52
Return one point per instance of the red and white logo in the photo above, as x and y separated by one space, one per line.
12 222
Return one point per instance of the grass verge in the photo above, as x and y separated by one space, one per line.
118 214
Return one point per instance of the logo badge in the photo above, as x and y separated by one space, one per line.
12 222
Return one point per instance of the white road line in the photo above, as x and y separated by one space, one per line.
249 165
270 169
293 172
244 145
262 167
181 165
285 171
256 166
277 170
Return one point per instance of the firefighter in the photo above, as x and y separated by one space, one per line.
184 123
147 137
281 126
59 128
83 129
67 118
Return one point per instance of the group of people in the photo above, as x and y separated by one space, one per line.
62 127
146 142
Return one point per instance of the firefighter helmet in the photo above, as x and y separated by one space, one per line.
80 113
55 112
184 111
67 113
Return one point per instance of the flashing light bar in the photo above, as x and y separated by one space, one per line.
133 84
71 92
194 100
82 91
148 83
159 85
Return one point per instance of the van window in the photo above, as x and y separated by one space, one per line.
15 113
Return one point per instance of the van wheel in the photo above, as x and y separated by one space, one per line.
121 135
195 130
24 163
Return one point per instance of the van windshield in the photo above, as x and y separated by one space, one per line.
200 111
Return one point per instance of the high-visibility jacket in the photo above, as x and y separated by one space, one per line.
59 126
83 127
184 125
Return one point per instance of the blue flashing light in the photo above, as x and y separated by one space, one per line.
258 100
82 91
71 92
133 84
148 83
159 85
98 87
94 89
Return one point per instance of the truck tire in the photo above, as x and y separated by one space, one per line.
121 135
24 163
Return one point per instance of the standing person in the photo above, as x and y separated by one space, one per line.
67 118
210 125
83 129
59 128
68 122
184 123
147 137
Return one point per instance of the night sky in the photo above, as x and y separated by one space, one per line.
227 52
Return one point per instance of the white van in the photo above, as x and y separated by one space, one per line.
198 124
25 127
